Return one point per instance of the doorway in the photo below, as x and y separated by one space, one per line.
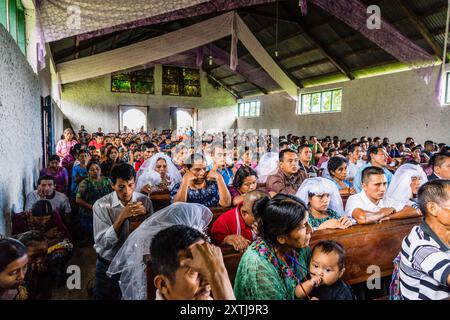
133 118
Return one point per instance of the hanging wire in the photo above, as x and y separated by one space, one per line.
210 58
276 33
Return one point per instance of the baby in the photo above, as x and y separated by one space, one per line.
326 268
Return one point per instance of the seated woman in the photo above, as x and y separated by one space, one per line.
42 218
406 183
245 180
337 169
94 187
58 172
236 227
37 280
112 159
157 174
168 256
200 186
179 158
324 204
275 267
267 166
246 159
13 268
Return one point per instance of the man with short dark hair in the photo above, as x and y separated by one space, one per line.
441 166
305 156
187 267
376 157
112 226
99 141
288 178
424 271
371 205
220 165
46 191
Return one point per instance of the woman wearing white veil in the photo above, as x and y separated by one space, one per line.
157 174
267 166
326 210
130 261
405 183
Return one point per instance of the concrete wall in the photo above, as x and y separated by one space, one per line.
20 129
92 104
395 105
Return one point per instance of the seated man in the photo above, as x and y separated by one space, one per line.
186 267
305 156
112 215
288 178
371 205
376 157
235 227
425 256
441 166
200 186
46 191
99 141
219 164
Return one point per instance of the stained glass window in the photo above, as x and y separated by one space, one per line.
181 81
140 81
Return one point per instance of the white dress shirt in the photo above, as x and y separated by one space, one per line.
106 210
361 201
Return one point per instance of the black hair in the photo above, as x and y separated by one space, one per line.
278 215
10 250
372 150
167 244
351 148
194 158
328 246
369 171
147 145
334 163
438 159
436 191
91 163
302 146
45 177
216 145
27 238
283 152
242 173
283 143
54 157
83 151
122 171
41 208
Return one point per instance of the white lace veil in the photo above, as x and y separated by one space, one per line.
319 186
400 187
129 261
147 173
268 165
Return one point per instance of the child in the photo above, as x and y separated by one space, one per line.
326 267
79 172
13 267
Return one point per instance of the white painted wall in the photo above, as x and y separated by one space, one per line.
395 106
92 104
20 129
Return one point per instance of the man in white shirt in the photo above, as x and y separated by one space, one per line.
371 205
354 160
112 227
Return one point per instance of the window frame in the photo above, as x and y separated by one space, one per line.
447 91
249 108
300 109
13 19
133 77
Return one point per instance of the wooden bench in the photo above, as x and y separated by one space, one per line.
160 200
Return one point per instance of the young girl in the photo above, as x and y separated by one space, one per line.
13 267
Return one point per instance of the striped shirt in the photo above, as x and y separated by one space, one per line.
424 266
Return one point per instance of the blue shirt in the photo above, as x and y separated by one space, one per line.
77 170
357 179
226 173
209 196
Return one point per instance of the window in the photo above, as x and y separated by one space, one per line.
447 89
12 17
249 109
141 81
321 101
181 82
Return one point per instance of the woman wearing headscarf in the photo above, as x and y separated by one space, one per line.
406 182
131 260
157 174
267 166
325 207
